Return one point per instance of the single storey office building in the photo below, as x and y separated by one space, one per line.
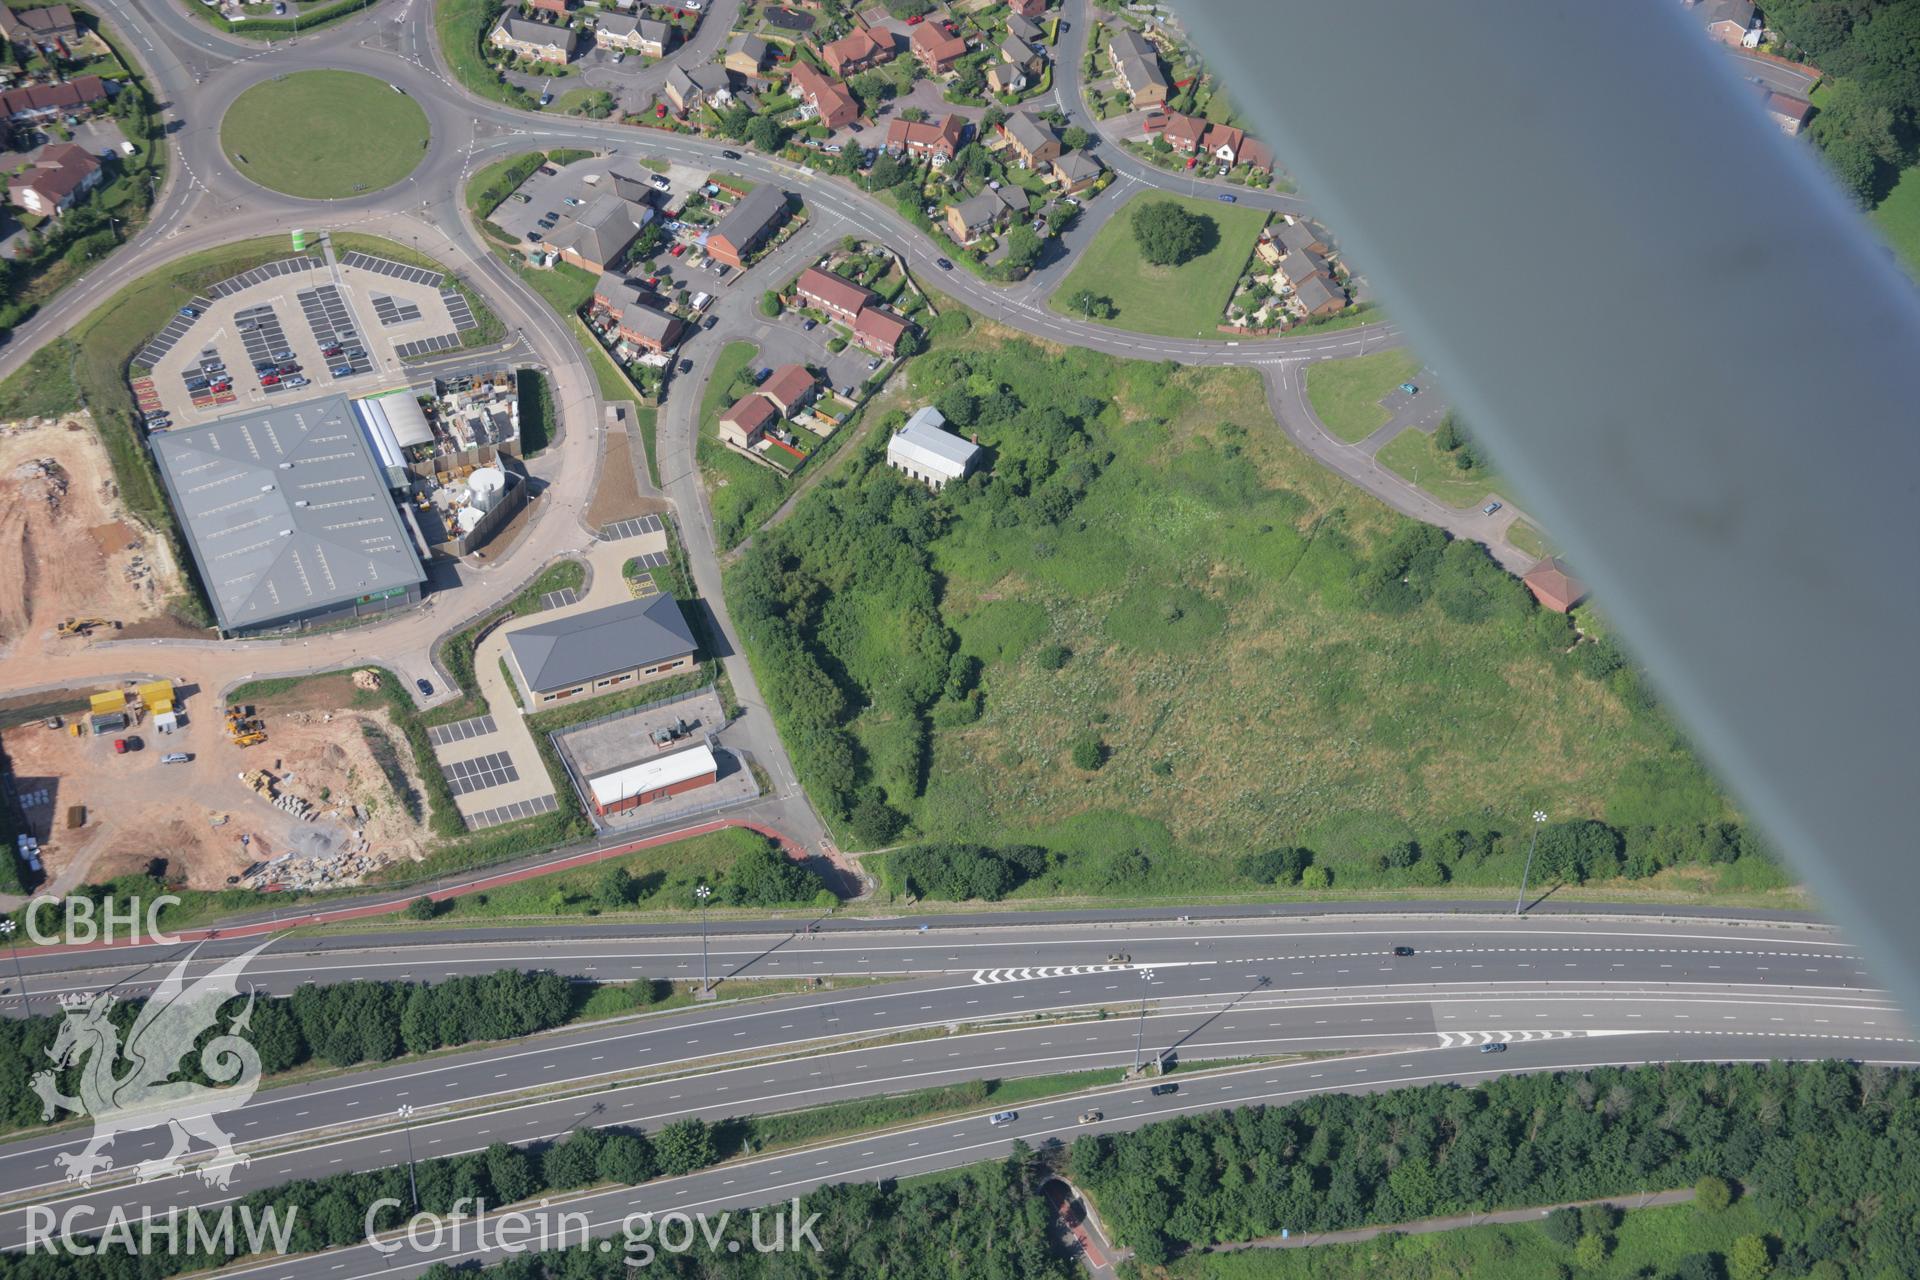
585 654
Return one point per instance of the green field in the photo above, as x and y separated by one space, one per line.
1898 217
1647 1243
1530 540
740 493
1413 456
1176 582
1346 394
1186 301
324 134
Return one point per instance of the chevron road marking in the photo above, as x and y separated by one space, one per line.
991 977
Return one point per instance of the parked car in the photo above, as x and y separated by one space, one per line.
247 326
809 324
619 56
218 387
425 687
943 264
1162 1090
296 382
288 367
119 746
872 365
283 355
678 249
1409 388
1227 197
916 19
1403 951
522 197
1493 1048
710 322
196 384
549 170
176 757
1089 1117
269 379
331 351
573 200
190 313
1491 507
1003 1117
761 375
535 237
546 99
341 370
354 353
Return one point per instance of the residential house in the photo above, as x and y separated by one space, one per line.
533 40
978 215
936 48
790 387
1731 22
1029 139
689 87
1017 52
1300 265
747 225
879 331
1137 64
837 296
829 99
1006 77
925 450
1320 295
1075 172
38 102
1027 10
1791 114
611 291
648 327
1256 155
62 174
600 233
1019 26
745 422
50 29
560 9
601 650
924 140
859 49
1223 143
1553 586
1296 234
628 34
748 55
1183 133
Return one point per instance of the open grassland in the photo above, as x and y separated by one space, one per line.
1346 394
324 134
1186 301
740 493
1413 457
1898 217
1161 658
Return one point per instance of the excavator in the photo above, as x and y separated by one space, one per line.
83 626
244 727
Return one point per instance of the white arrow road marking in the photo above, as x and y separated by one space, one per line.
988 977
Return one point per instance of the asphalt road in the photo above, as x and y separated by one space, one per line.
1228 988
948 1143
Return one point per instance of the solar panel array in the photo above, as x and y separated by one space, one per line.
425 346
332 325
176 328
458 310
398 270
391 311
511 812
263 273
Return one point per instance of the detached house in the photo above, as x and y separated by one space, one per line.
859 49
936 48
688 88
59 178
791 388
1731 22
50 30
1076 171
533 40
923 140
1026 10
1138 65
829 99
1019 26
975 217
748 55
1004 77
647 36
1791 114
598 237
1019 53
1029 139
745 423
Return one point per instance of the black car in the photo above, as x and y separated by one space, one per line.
1403 951
943 264
731 155
425 687
1162 1090
686 366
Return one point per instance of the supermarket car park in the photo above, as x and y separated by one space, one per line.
292 329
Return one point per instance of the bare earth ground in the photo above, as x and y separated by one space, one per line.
616 494
138 809
67 548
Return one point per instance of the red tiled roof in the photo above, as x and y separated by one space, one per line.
1553 586
834 290
53 97
932 40
58 172
882 326
751 414
835 105
788 385
856 46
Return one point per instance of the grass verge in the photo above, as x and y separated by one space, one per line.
1346 394
1186 301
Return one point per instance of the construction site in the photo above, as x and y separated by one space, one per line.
73 563
147 780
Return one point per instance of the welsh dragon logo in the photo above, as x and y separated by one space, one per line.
128 1088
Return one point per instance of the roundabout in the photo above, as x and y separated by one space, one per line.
324 135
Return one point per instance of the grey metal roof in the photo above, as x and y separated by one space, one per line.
286 511
752 215
600 642
925 440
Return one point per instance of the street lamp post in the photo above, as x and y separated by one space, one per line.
6 927
406 1121
1140 1027
1539 816
703 893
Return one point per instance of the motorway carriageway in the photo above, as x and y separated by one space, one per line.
1464 981
948 1143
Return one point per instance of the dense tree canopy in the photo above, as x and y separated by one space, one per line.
1168 235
